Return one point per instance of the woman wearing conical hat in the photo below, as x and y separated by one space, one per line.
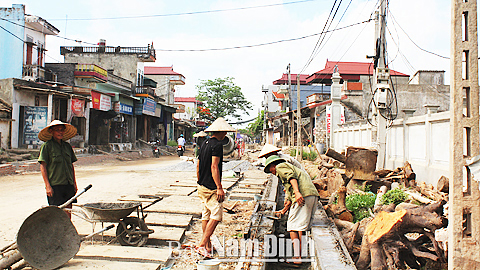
56 162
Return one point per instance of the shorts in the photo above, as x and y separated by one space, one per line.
212 208
61 194
300 217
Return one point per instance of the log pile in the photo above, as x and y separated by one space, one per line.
394 236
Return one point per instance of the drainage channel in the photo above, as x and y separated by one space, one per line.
323 248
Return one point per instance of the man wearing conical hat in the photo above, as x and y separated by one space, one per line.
56 162
270 150
209 175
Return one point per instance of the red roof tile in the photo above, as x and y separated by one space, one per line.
160 71
346 70
293 78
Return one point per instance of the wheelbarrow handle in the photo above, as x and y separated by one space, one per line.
95 233
75 197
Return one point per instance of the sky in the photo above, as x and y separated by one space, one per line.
426 22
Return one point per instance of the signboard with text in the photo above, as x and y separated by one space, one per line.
35 121
123 108
78 107
101 102
149 106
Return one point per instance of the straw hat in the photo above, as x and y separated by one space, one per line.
220 125
272 159
200 134
70 131
267 149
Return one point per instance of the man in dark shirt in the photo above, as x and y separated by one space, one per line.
209 176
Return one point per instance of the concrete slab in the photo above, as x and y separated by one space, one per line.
181 191
118 257
163 234
192 184
251 186
247 190
251 181
172 220
137 198
241 196
178 205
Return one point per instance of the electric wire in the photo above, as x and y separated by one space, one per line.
185 13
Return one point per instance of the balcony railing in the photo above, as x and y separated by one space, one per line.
145 91
38 73
147 52
120 81
91 71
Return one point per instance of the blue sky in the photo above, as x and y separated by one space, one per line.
427 22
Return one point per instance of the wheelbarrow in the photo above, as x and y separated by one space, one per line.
47 239
131 231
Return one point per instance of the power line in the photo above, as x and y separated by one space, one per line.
185 13
262 44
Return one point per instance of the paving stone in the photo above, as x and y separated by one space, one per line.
181 191
241 196
178 205
118 257
251 186
246 190
164 219
137 198
162 234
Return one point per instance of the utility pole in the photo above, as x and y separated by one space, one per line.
290 106
265 108
299 122
381 76
464 194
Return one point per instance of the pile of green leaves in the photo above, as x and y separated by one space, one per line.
395 196
306 155
359 204
172 143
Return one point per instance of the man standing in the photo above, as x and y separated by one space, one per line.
210 190
56 162
181 141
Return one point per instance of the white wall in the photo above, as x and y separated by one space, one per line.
421 140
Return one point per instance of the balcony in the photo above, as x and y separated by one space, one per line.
177 79
38 73
112 78
90 72
146 54
145 91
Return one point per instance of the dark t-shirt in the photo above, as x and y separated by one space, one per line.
211 147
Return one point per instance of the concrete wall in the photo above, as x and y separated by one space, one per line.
6 90
190 111
164 87
421 140
428 77
5 134
11 47
64 72
123 65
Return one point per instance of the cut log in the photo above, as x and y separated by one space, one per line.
442 184
339 210
407 169
335 155
384 245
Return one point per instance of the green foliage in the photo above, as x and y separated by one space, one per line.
172 143
255 128
395 196
293 152
359 205
310 155
222 98
362 188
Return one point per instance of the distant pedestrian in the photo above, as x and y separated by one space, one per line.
56 162
209 177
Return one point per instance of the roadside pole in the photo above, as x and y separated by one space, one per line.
299 122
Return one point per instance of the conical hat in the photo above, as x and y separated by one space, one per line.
70 131
220 125
200 134
267 149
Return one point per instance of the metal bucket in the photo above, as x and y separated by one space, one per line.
47 239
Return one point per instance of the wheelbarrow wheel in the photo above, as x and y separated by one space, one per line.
127 232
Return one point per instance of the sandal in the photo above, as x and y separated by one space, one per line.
202 252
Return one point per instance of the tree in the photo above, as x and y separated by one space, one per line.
254 129
222 98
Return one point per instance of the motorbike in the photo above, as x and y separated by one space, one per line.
155 150
180 150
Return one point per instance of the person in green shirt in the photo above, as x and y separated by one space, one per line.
56 162
301 196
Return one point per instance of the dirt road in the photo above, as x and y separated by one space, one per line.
21 195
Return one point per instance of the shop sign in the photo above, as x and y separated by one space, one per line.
78 107
158 112
149 106
123 108
101 102
35 121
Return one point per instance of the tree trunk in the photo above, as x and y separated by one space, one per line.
442 184
335 155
